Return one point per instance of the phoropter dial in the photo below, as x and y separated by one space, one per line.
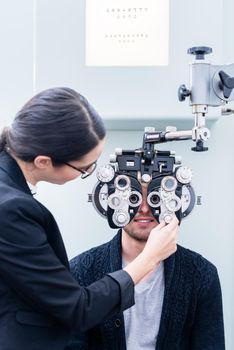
184 174
105 173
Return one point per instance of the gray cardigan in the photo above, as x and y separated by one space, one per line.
192 316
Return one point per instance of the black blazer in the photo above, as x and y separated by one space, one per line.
40 301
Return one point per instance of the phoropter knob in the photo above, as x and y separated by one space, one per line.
227 83
183 92
199 51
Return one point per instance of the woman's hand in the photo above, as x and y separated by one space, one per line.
159 246
162 241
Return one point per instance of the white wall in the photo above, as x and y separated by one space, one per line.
42 45
16 57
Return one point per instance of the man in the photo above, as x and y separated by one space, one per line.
178 306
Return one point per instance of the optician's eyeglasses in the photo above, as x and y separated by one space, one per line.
84 172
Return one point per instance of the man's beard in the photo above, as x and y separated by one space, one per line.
138 235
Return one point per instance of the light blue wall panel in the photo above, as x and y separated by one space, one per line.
16 58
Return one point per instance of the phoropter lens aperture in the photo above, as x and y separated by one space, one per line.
154 199
135 199
122 182
169 183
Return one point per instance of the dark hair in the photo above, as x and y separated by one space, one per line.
58 122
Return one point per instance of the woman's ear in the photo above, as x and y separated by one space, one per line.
42 162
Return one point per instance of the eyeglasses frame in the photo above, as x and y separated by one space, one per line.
84 173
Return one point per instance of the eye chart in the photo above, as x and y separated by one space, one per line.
127 32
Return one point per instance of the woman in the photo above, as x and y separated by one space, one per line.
56 137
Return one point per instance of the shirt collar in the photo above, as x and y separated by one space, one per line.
32 188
